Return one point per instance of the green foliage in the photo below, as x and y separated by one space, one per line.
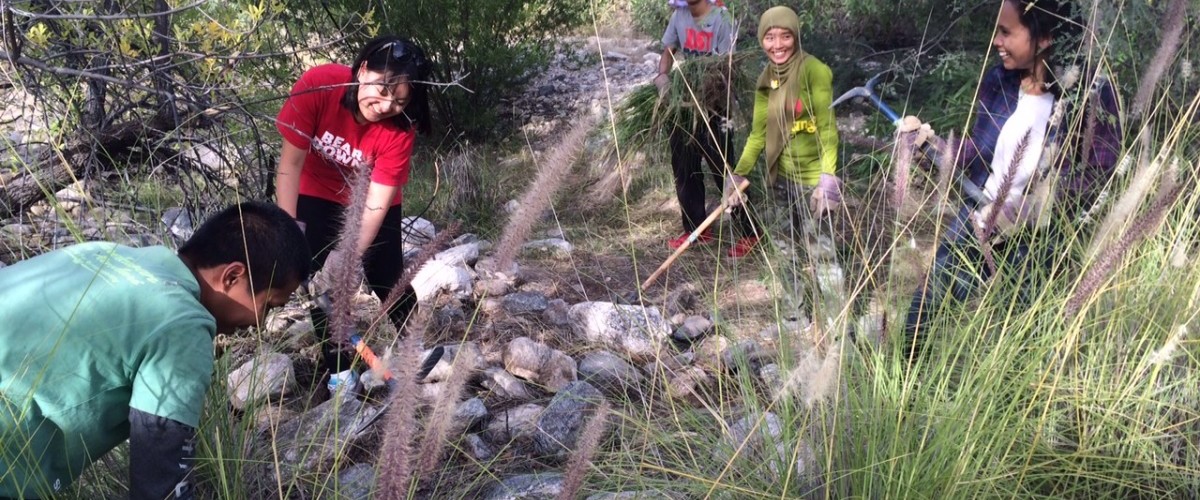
491 47
649 16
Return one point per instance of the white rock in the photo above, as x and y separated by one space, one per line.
437 276
417 232
461 255
635 331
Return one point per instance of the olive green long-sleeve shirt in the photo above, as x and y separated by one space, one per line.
812 147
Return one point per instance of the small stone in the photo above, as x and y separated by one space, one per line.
492 287
711 352
479 448
610 373
552 246
678 319
689 386
504 385
491 307
468 414
514 424
512 206
749 351
772 378
262 378
558 427
693 328
539 363
557 313
525 303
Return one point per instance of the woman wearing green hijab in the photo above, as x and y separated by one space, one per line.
793 122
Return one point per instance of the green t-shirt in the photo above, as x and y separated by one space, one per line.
86 333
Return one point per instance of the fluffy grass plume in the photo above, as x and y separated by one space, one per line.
345 264
1174 21
396 457
549 179
1116 220
1000 204
902 162
585 450
437 427
1106 264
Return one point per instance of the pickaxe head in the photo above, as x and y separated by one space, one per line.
868 91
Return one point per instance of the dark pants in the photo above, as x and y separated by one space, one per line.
689 148
959 268
383 265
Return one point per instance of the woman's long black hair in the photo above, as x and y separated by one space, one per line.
1048 19
396 56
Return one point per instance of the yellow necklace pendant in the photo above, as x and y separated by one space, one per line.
774 84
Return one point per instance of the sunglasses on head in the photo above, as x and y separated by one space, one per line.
401 51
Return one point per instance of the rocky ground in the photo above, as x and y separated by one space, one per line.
530 352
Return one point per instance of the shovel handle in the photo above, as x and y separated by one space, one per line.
712 217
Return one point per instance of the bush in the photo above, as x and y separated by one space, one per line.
491 47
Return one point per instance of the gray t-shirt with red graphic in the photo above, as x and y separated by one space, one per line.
709 35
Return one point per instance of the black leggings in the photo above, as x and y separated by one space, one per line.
691 148
383 265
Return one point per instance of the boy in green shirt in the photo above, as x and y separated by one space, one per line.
100 343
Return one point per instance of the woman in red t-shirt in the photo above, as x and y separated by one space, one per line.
341 118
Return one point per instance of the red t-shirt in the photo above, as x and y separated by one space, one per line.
313 118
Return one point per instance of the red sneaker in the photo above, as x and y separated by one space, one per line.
704 239
743 246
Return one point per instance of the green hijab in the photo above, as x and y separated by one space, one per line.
780 82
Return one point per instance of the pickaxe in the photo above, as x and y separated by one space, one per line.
868 90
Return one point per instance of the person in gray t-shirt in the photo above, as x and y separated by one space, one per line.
701 29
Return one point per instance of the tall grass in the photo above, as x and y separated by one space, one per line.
1074 378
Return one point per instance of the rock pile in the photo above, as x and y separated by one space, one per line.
528 390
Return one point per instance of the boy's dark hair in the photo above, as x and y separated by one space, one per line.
396 56
260 235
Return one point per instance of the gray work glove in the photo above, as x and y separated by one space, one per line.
731 195
827 196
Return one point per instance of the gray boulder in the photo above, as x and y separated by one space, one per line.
527 487
318 438
610 373
265 377
638 332
525 303
355 482
558 427
514 424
